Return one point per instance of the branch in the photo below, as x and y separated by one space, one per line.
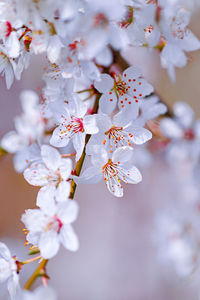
40 271
79 164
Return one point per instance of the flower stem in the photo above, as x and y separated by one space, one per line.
38 272
68 155
30 260
84 91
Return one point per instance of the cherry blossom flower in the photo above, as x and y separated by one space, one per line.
184 134
50 226
150 108
128 90
178 40
118 132
102 28
113 168
74 126
177 239
8 270
143 29
30 128
51 174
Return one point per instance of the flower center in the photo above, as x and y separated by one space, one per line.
54 224
189 134
118 137
109 169
73 127
120 86
100 20
8 28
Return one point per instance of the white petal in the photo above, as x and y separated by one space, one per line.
132 73
68 211
37 174
45 199
79 144
190 42
171 129
51 157
68 238
107 103
172 54
140 135
13 45
4 251
105 84
123 117
54 48
122 154
21 160
33 237
90 70
154 111
105 57
184 113
9 75
99 139
114 187
140 88
129 104
49 244
65 168
103 122
34 219
131 175
90 125
13 285
5 271
62 191
99 155
43 293
29 101
58 139
91 175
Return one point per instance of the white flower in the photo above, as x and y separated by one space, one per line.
178 239
40 293
30 127
50 226
143 28
74 126
51 174
8 270
178 39
118 132
113 168
127 90
102 29
150 109
183 133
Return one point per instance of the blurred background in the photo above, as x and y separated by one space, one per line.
118 257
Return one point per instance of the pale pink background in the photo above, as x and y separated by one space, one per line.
117 259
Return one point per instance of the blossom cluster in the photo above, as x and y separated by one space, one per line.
90 106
